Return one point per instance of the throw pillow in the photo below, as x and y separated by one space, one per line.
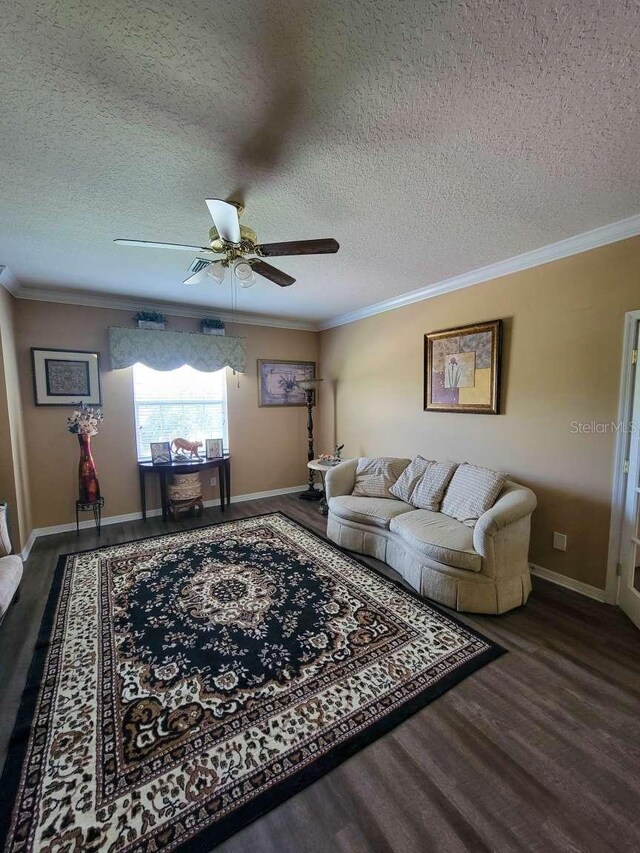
406 482
375 476
472 491
5 542
430 488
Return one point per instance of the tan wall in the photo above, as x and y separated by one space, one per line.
14 484
561 363
268 446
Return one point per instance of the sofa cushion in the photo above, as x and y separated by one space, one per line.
472 491
438 536
10 577
377 511
430 488
406 482
375 476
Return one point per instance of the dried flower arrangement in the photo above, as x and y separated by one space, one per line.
85 420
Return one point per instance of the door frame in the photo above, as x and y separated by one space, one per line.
619 483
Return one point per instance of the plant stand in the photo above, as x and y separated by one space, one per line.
90 506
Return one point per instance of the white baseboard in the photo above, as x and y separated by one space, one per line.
29 545
570 583
37 532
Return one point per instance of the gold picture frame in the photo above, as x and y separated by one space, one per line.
462 369
277 380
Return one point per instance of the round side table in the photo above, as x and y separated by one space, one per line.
315 465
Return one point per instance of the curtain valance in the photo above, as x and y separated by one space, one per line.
162 349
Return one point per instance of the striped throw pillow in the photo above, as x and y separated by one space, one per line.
472 491
406 482
430 488
375 476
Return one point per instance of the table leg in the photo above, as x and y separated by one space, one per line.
323 508
77 522
227 480
143 495
222 483
163 494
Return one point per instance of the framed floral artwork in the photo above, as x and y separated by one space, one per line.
462 369
277 382
66 377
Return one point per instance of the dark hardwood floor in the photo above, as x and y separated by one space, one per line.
539 750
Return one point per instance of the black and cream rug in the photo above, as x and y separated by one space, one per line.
185 684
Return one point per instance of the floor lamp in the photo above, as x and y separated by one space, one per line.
309 387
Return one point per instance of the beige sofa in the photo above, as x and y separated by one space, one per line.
10 567
483 569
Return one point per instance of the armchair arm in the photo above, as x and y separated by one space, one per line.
515 503
341 479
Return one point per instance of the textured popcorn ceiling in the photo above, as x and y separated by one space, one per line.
429 138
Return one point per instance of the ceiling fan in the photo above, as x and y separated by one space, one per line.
235 242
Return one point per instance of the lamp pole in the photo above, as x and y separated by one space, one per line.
309 387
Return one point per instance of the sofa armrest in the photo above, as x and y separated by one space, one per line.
515 502
341 479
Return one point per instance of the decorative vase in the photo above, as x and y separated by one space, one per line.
88 485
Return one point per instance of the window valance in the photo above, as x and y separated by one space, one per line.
162 349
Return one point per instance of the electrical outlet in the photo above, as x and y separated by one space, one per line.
560 541
213 481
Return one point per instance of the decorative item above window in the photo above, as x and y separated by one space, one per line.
211 326
150 320
167 350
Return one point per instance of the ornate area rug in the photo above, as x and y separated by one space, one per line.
185 684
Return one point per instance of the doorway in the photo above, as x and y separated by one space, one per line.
629 565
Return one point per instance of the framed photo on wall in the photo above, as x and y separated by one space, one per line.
160 452
277 381
65 377
213 448
462 369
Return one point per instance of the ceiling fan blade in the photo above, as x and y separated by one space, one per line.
213 271
273 274
299 247
225 218
150 245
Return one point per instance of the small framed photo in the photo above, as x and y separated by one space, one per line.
160 452
277 382
213 448
64 377
462 369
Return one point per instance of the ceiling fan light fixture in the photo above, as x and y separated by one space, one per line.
243 272
216 271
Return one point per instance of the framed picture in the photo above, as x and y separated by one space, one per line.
213 447
462 369
64 377
160 452
277 382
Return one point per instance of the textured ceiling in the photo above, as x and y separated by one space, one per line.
429 138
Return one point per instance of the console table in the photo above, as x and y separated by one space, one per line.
167 469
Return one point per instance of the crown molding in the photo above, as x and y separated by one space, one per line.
70 296
621 230
612 233
8 280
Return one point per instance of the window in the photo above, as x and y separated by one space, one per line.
184 402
